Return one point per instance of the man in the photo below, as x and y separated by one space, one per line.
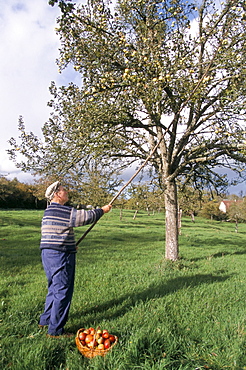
58 251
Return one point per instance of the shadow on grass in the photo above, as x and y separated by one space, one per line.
222 254
55 357
118 307
21 220
229 248
17 256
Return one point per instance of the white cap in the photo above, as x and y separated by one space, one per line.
50 191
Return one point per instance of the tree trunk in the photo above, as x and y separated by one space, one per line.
236 229
192 216
171 206
180 221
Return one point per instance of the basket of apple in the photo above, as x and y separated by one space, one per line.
95 342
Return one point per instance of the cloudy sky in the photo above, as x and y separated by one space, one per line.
29 48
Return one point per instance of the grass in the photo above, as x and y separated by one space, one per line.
184 315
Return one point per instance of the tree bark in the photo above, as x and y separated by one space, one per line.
180 221
171 205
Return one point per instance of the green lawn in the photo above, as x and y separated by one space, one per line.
190 314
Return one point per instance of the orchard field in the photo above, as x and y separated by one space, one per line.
190 314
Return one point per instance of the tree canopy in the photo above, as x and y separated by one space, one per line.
149 70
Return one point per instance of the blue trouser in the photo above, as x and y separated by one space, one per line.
60 270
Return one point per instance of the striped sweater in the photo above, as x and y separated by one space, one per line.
57 226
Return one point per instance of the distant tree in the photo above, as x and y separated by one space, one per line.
237 212
39 187
190 201
138 196
15 194
241 193
211 210
145 195
121 203
5 191
96 185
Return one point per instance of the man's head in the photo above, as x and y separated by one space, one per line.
56 193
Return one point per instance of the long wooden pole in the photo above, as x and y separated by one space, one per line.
123 188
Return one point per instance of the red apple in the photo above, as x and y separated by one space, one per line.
88 338
105 334
107 344
82 335
87 331
92 331
111 338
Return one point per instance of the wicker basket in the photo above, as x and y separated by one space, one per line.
91 352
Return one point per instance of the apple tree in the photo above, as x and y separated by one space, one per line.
150 70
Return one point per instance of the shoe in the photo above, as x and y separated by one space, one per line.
65 335
42 326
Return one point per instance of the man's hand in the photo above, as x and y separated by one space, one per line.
106 208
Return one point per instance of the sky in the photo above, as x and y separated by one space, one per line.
29 48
